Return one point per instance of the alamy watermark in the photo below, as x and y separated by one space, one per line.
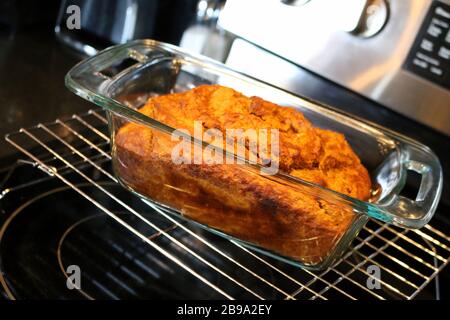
73 277
254 146
374 279
73 21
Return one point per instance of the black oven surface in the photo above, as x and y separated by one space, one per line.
47 226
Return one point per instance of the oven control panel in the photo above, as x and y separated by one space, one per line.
430 53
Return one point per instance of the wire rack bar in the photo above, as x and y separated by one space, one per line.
408 259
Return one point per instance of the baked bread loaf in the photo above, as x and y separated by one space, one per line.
283 217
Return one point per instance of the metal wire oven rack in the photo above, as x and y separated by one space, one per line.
407 260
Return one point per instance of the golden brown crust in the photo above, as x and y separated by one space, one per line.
231 198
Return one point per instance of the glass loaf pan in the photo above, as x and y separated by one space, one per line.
120 79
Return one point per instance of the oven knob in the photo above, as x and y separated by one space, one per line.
374 18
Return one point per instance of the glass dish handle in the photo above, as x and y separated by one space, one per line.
90 78
414 213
